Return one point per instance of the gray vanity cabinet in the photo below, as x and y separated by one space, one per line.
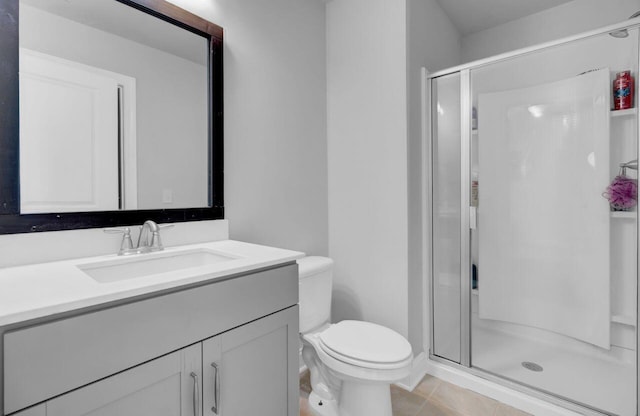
251 371
168 385
40 410
155 356
245 371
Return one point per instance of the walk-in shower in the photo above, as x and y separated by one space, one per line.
534 273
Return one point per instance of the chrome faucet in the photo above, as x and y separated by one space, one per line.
148 239
147 244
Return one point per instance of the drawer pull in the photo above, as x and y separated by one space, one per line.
216 387
194 376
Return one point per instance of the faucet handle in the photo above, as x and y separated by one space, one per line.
126 247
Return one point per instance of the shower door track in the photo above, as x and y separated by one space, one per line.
524 388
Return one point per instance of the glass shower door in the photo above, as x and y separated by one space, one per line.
446 287
553 264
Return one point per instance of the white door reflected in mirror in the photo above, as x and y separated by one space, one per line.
70 159
83 152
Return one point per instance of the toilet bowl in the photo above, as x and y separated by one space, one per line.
351 363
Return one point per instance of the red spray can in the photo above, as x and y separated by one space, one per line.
623 91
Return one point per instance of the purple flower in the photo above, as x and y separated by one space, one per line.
622 193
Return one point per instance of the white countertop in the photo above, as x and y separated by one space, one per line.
39 290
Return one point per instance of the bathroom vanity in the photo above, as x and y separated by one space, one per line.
200 329
217 335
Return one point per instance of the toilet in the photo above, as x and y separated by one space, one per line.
351 363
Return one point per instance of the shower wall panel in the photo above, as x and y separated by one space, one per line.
544 246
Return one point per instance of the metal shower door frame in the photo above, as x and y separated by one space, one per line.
465 242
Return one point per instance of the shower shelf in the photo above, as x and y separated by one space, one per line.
623 113
624 319
619 319
631 215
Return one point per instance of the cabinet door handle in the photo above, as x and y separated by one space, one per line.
216 387
194 376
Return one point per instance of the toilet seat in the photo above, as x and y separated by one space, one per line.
356 369
365 344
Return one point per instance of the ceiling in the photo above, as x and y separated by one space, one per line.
470 16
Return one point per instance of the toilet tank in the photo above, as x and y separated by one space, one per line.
315 280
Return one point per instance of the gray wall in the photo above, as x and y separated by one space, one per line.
375 146
367 136
275 119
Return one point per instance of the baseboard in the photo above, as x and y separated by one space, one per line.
418 371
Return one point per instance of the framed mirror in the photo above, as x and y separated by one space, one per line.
111 114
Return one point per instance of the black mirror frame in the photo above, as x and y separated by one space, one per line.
12 222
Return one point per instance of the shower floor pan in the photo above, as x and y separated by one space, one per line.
604 383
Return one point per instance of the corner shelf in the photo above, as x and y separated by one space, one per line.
619 319
624 320
630 215
624 113
622 268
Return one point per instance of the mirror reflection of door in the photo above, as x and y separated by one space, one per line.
166 110
71 148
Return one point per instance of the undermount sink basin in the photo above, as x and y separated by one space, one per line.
141 265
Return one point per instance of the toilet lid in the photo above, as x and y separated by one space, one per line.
365 342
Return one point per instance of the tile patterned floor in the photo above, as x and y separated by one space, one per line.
432 397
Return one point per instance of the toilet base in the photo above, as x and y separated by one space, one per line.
322 407
357 399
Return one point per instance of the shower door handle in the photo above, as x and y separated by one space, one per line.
473 216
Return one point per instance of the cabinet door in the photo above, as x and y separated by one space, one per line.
253 369
167 386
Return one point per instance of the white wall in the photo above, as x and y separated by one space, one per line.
367 142
375 145
567 19
434 42
275 119
171 111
